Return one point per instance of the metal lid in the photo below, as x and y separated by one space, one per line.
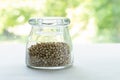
50 21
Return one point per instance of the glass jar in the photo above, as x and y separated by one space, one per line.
49 44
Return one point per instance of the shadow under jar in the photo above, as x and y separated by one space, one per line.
49 44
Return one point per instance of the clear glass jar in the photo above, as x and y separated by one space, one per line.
49 44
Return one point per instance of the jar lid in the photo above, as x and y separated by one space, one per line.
50 21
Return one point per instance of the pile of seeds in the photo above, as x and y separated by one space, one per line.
49 54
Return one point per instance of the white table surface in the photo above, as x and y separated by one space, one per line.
91 62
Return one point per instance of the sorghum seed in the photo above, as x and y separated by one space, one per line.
49 54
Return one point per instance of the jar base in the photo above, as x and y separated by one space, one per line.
50 68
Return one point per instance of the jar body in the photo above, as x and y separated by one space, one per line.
49 48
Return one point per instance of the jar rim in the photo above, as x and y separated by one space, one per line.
49 21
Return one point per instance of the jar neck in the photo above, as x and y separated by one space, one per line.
49 29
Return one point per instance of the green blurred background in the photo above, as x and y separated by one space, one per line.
92 21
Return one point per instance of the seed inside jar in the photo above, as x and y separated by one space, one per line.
48 54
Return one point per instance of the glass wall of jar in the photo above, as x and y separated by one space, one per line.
49 44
